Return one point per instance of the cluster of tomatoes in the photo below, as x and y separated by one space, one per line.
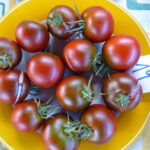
120 91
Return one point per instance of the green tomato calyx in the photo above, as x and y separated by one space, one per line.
123 100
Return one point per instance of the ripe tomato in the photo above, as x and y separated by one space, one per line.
14 86
29 115
54 137
57 21
79 54
123 92
70 93
99 23
45 70
32 35
102 123
121 52
10 53
25 117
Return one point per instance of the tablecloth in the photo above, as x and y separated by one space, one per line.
141 10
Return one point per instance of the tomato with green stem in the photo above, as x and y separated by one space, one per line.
123 92
75 92
45 69
96 23
10 53
79 54
32 35
54 136
14 86
57 21
121 52
97 124
29 115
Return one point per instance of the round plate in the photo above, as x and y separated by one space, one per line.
130 124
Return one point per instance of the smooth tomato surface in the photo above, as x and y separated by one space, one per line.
99 23
32 35
79 54
102 122
45 69
11 50
68 15
121 52
14 86
68 93
122 83
25 117
53 135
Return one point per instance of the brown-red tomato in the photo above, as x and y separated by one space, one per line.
10 53
79 54
14 86
122 92
121 52
57 21
102 123
54 137
99 23
45 70
32 35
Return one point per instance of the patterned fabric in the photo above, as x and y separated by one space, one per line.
136 7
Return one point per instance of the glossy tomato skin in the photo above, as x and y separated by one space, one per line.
45 70
53 135
68 15
125 84
79 54
32 35
121 52
102 122
14 86
10 48
68 93
99 23
25 117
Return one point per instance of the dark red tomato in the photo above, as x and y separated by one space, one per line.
32 35
99 23
123 92
25 117
79 54
45 70
10 53
69 93
101 121
14 86
54 137
121 52
57 21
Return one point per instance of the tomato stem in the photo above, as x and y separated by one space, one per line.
57 21
122 99
45 110
5 61
87 93
81 26
77 130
